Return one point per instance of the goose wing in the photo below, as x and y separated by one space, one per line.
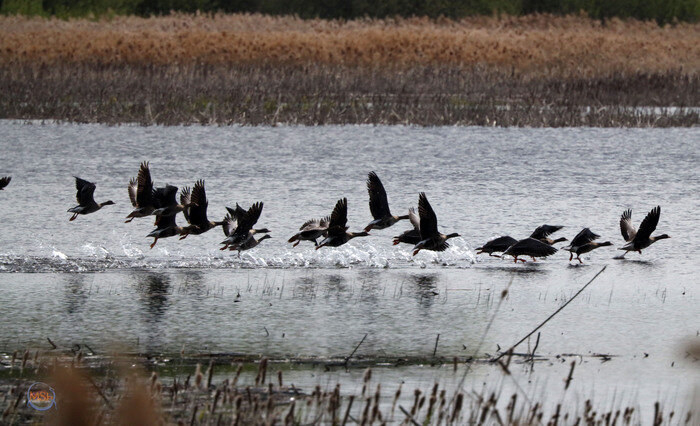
198 212
165 222
250 218
165 196
85 191
230 224
5 181
185 199
428 219
584 237
144 186
531 247
132 191
414 218
378 203
339 218
544 231
310 224
626 227
648 224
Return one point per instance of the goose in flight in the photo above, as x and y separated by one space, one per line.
141 194
86 202
584 242
337 227
543 232
196 214
238 226
311 230
641 238
379 205
529 247
499 244
431 238
411 236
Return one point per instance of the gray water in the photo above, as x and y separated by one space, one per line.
95 281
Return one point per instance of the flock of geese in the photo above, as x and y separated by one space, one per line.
238 224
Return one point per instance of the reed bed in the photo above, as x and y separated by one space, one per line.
115 391
537 70
536 45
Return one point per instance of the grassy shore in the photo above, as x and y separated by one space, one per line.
252 69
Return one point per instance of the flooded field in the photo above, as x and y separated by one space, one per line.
95 283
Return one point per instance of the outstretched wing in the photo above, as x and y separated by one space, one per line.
428 219
583 237
626 227
5 181
414 218
144 189
236 213
310 224
250 218
85 191
185 199
198 212
649 224
132 191
378 203
544 231
230 224
339 218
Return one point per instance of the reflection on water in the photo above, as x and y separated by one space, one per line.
425 291
75 292
153 289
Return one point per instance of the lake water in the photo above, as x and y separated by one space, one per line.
95 281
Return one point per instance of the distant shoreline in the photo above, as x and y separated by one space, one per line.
259 70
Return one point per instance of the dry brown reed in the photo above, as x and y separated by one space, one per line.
536 45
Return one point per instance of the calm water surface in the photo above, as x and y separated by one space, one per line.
96 281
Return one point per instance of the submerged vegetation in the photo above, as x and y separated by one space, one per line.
254 69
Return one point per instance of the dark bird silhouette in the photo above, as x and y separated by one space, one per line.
165 199
337 227
141 193
431 238
641 238
196 214
499 244
166 225
584 242
4 182
243 221
543 232
529 247
379 205
411 236
86 202
311 230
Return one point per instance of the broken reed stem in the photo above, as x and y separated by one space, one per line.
355 350
551 316
437 339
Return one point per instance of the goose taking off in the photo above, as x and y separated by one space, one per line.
238 226
543 232
583 242
337 229
166 224
529 247
141 194
196 214
641 238
165 199
499 244
86 202
379 205
4 181
431 238
411 236
311 230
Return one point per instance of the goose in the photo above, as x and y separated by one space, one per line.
249 244
641 238
86 202
499 244
167 202
4 181
543 232
431 239
411 236
196 214
583 242
166 224
141 194
379 205
244 221
311 230
529 247
337 229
